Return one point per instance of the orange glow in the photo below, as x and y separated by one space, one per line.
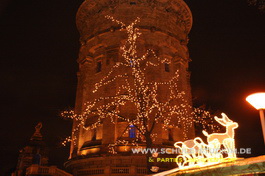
196 153
90 151
257 100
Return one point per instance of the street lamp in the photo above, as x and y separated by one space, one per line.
257 100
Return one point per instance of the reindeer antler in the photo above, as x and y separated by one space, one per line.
220 120
226 119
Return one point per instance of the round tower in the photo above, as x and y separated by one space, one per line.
164 25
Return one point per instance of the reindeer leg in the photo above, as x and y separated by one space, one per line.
214 147
229 144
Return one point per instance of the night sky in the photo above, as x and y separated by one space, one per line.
39 48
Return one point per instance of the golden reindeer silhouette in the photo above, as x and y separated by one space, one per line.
215 140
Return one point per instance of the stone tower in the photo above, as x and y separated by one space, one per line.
164 25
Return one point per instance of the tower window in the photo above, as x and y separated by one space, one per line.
37 159
94 137
132 3
132 63
99 66
132 131
167 67
170 135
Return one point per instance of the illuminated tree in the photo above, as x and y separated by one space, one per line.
139 92
204 120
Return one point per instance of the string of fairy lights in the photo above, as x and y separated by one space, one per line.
140 91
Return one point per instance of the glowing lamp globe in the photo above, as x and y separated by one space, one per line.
257 100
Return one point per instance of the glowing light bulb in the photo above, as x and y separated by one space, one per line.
257 100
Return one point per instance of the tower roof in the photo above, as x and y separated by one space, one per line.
37 135
168 16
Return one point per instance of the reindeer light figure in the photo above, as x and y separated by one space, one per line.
192 153
226 139
196 153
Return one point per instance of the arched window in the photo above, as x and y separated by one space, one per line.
170 134
94 136
167 67
132 131
36 159
99 65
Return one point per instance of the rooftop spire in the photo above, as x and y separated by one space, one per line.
37 135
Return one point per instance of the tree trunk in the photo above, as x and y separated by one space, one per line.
149 159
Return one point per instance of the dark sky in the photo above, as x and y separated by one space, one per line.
39 47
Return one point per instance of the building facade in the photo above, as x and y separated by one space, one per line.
165 25
33 158
36 152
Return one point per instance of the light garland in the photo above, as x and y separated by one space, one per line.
143 93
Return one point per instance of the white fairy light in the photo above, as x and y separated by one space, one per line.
139 91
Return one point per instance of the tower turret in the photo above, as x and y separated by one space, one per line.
36 152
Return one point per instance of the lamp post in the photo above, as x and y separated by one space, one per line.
257 100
